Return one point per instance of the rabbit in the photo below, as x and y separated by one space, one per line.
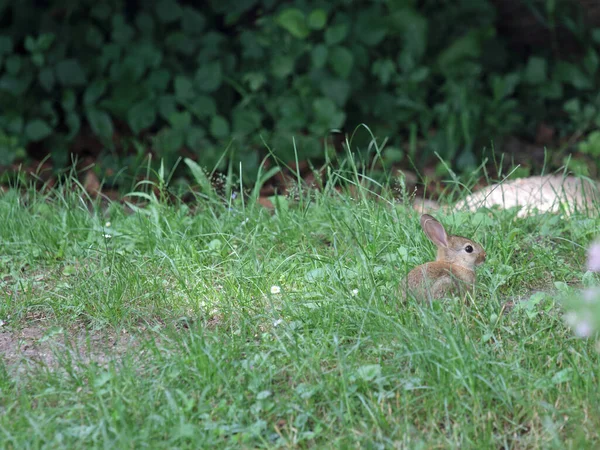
452 272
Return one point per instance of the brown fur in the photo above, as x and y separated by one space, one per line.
452 273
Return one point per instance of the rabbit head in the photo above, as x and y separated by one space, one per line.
456 250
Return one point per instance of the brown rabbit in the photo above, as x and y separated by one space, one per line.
453 271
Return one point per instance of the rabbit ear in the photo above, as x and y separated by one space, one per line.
434 230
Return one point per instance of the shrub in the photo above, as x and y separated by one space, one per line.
239 74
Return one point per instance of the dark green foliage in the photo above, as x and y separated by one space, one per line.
238 74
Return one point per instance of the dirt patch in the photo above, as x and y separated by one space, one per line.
46 345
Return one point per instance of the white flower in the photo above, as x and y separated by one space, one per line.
107 236
107 224
354 292
275 289
277 322
571 318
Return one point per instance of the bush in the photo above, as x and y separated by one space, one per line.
239 74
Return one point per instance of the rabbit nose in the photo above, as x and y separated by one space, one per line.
481 257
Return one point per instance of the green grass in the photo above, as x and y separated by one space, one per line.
218 361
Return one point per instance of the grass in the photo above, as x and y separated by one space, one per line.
203 352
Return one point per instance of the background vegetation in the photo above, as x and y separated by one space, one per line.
118 79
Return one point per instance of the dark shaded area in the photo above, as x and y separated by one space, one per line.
110 84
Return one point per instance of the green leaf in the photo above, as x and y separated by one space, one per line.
16 85
70 73
314 275
141 116
209 77
369 372
245 121
74 123
370 27
166 106
290 115
59 153
13 64
181 43
101 123
255 80
420 74
122 33
37 129
465 47
536 70
552 89
504 86
318 56
393 155
151 56
180 120
263 395
48 112
203 106
337 89
6 45
46 79
93 92
341 61
590 61
413 29
317 19
158 80
336 33
327 116
168 140
30 44
294 21
94 37
596 35
282 66
38 59
15 125
192 21
184 89
199 175
219 127
562 376
168 11
573 108
145 23
69 101
195 138
572 74
212 43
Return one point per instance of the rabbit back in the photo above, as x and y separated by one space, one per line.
439 279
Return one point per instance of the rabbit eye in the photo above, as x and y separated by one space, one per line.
469 249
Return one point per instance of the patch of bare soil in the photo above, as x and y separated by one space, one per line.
44 345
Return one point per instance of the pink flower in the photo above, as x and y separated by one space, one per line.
581 326
583 329
593 262
591 295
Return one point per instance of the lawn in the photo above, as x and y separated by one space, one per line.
212 324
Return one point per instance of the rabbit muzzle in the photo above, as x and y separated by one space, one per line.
480 258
